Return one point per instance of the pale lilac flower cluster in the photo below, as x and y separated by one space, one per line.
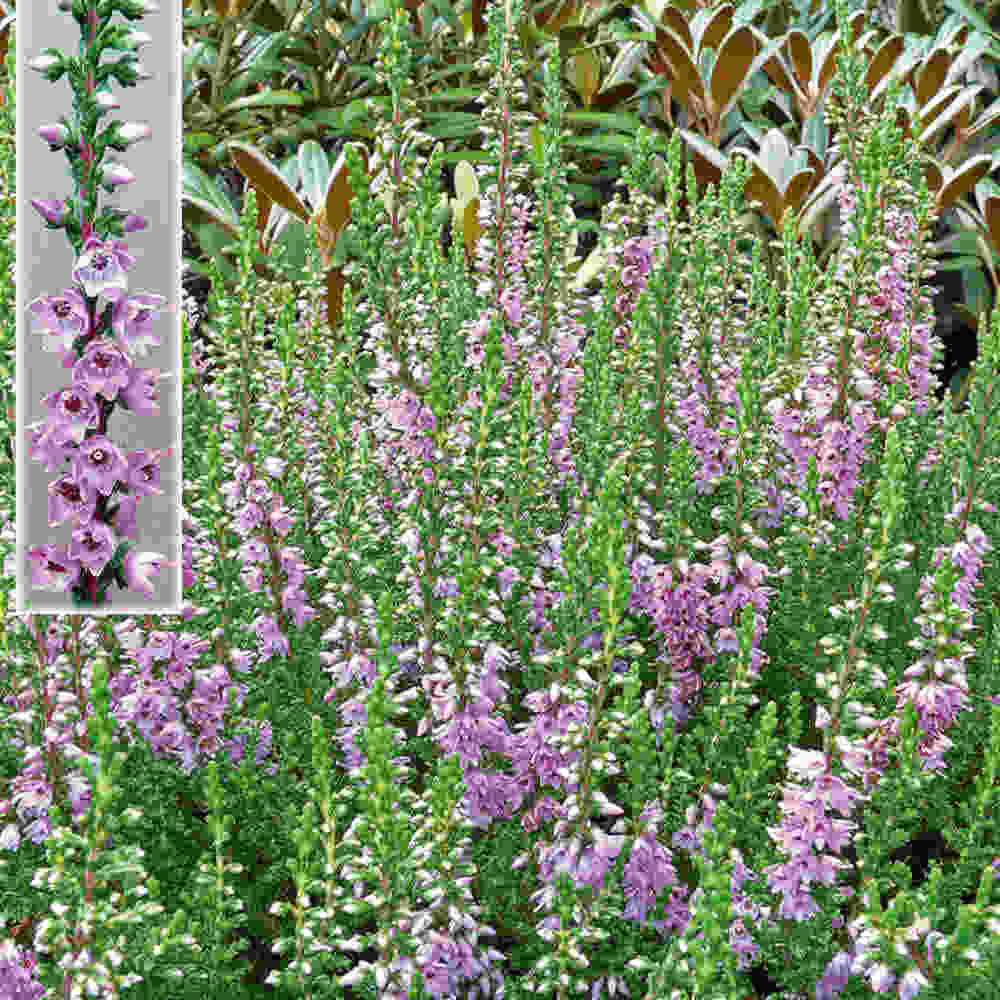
178 710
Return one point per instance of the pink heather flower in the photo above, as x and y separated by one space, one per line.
131 320
51 444
69 499
124 519
141 394
104 367
144 470
101 268
94 545
62 318
141 567
55 135
101 463
75 408
52 210
52 569
134 223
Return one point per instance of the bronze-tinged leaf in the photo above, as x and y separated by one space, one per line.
800 56
337 204
883 62
815 163
828 61
991 213
963 180
717 28
326 238
471 229
263 212
560 17
257 169
615 96
683 69
672 18
230 8
856 24
783 76
760 187
931 76
947 109
584 72
335 282
799 187
933 175
479 25
708 162
736 54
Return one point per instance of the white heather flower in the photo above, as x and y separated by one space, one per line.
42 63
106 100
141 567
134 131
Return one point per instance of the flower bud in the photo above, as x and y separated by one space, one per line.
52 210
44 63
114 175
134 132
136 39
55 135
106 101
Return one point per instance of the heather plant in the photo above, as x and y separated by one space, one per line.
563 671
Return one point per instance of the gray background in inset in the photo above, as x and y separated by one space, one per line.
45 261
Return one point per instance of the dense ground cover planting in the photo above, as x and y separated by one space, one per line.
670 665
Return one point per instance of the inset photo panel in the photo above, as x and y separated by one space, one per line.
98 448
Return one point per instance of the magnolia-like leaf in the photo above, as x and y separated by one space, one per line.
337 205
883 66
200 191
589 270
584 72
962 180
471 229
314 171
466 188
259 172
265 99
730 73
687 82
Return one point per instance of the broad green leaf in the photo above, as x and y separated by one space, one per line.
314 171
198 188
265 99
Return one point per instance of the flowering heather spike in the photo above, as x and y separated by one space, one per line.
97 347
